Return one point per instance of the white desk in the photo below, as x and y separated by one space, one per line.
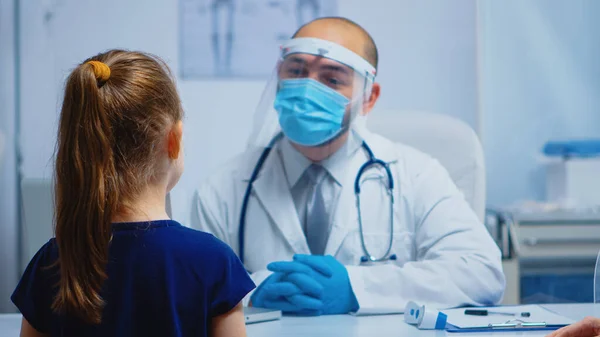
10 325
350 326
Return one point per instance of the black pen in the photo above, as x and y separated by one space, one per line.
484 312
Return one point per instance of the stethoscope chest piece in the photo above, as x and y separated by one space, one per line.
370 258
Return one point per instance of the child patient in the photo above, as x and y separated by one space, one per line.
118 265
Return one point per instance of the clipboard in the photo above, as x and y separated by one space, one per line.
508 326
540 319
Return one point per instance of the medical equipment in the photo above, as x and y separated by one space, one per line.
424 319
372 161
573 148
571 171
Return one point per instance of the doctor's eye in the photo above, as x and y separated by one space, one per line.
295 72
334 80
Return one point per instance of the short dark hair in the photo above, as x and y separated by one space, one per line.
370 48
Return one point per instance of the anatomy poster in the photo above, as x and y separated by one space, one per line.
240 38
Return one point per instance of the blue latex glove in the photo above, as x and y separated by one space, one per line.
277 292
331 275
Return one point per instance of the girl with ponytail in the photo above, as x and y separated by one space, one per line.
118 265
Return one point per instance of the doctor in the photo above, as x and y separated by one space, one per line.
329 218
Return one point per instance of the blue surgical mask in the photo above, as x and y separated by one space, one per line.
310 113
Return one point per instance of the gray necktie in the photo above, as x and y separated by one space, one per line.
316 228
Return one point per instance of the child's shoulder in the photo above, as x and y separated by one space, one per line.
192 241
48 252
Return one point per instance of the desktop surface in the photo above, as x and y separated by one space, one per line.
389 325
351 326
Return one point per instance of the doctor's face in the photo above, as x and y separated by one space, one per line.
333 74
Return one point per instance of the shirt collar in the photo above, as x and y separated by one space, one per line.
295 163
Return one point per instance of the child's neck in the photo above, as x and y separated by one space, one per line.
148 206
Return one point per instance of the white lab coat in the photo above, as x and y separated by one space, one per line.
445 256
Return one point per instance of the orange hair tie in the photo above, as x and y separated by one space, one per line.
101 70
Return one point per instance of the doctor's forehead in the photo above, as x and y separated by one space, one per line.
315 62
337 32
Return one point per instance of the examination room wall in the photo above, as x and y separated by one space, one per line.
420 69
8 174
541 70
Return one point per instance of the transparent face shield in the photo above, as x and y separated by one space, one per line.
316 94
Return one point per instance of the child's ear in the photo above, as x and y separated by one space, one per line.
174 140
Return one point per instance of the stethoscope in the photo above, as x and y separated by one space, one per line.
371 162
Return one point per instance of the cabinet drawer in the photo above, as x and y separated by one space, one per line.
561 241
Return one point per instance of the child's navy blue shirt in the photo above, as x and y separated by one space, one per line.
164 279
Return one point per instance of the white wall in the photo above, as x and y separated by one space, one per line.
427 53
542 82
8 177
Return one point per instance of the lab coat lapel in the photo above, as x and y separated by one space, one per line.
272 191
